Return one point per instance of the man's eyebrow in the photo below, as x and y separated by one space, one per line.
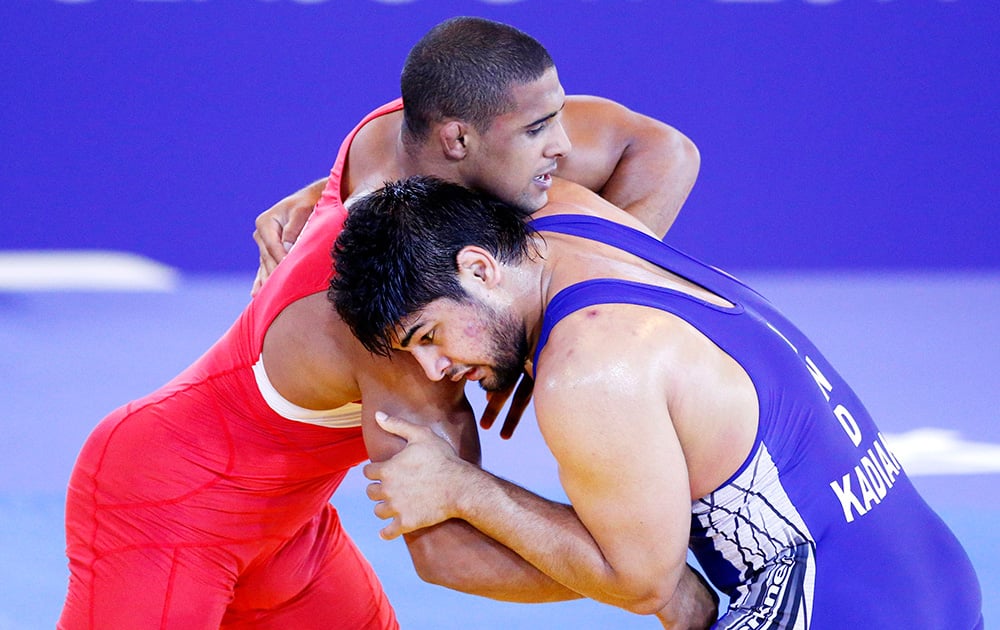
546 117
405 341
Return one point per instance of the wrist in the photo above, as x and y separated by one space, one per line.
472 489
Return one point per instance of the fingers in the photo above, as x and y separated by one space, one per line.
382 510
271 236
398 426
509 424
495 401
258 282
266 266
393 530
517 406
292 230
372 471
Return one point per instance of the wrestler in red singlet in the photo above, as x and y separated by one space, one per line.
199 506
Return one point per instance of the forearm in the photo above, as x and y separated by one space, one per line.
638 163
450 553
456 555
694 604
636 566
313 191
551 537
654 176
278 227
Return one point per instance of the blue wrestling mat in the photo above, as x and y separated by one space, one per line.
69 357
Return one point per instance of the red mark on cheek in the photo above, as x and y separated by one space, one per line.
474 330
592 313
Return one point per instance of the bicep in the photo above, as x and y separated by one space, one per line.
636 162
620 463
599 131
605 133
399 387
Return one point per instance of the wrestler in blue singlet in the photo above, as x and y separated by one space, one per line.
820 527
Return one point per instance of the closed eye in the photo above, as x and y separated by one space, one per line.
539 125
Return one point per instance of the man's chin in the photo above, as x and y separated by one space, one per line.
532 200
500 381
489 385
538 201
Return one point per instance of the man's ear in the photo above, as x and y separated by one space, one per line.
477 267
454 136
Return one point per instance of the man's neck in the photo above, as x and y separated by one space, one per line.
528 284
424 158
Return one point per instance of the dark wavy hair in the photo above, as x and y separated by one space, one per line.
463 68
397 251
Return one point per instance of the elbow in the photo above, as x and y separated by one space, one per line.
441 558
692 158
431 562
681 601
651 593
686 158
649 603
640 595
440 573
437 575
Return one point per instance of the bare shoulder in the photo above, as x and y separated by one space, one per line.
607 372
581 109
372 148
600 125
311 354
398 386
613 347
568 197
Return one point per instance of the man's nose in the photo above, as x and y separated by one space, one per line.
561 146
435 365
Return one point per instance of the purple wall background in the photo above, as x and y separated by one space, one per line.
851 134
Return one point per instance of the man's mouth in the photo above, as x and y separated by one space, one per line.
544 180
469 374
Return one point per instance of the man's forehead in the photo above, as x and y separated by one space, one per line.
431 314
536 101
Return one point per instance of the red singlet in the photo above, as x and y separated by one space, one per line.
198 506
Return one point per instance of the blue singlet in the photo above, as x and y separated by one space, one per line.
820 527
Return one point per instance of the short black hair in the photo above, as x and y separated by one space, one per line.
463 68
398 247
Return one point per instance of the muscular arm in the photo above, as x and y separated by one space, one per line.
451 553
280 225
623 540
640 164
